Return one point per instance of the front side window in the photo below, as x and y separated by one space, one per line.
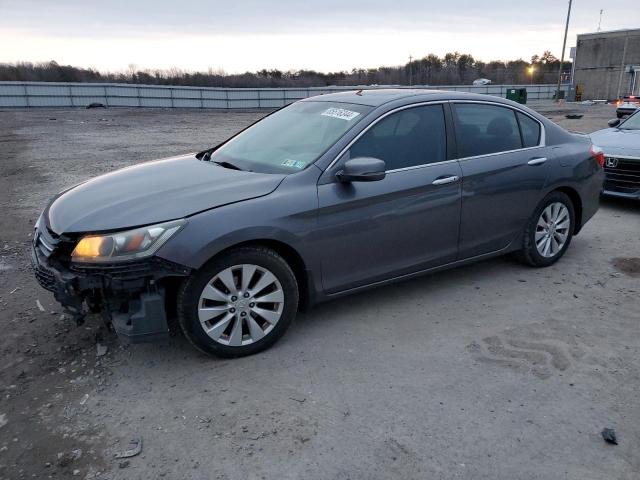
485 129
410 137
290 139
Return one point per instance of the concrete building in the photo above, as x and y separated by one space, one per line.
607 64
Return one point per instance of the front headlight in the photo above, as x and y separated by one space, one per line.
120 246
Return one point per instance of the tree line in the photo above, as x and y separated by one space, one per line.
451 69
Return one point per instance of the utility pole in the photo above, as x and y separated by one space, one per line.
564 44
410 71
600 20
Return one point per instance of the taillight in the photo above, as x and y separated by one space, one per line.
597 153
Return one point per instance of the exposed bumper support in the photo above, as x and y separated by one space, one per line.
133 303
146 320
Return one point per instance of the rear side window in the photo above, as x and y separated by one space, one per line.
530 130
415 136
485 129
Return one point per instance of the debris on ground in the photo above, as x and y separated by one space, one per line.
66 458
134 448
101 350
299 400
84 399
574 116
39 305
609 436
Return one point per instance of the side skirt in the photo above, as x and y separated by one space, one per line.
458 263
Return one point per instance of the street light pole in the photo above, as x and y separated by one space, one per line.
410 71
564 44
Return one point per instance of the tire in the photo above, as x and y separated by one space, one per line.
534 251
262 323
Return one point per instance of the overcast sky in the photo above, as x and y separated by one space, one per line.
324 35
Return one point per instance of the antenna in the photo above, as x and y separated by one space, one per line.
600 20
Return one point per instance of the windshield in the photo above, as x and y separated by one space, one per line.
290 139
631 123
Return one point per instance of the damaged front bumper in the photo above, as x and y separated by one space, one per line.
130 295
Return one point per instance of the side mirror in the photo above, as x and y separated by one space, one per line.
363 169
614 122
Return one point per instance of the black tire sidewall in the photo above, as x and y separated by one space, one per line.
191 290
531 251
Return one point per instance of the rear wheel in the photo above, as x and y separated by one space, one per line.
238 304
549 231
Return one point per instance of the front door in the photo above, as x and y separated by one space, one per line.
372 231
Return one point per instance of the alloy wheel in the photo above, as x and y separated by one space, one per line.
241 305
552 229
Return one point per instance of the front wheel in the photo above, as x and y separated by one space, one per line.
239 303
549 231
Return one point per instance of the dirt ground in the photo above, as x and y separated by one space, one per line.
493 370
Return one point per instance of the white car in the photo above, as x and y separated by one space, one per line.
621 146
627 106
482 81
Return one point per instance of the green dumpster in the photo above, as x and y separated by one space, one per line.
517 95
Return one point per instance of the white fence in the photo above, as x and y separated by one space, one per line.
53 94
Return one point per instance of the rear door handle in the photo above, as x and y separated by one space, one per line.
537 161
445 180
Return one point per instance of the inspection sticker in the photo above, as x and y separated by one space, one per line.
293 164
340 113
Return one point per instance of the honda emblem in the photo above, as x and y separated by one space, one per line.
612 162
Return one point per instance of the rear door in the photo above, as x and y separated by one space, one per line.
372 231
505 166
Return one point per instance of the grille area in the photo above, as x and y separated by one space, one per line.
624 177
46 242
44 276
130 270
123 271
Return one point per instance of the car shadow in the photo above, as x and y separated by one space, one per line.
626 205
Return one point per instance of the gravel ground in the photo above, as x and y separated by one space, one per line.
493 370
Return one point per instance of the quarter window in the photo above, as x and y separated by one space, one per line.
485 129
530 130
415 136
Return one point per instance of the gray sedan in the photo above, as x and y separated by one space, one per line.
621 146
328 196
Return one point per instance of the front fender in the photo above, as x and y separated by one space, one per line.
288 215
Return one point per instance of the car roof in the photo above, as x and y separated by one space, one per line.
380 96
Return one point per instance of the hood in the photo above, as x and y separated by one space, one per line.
615 141
154 192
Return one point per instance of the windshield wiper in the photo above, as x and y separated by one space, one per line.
227 165
206 157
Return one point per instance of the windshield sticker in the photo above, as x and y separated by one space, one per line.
340 113
293 164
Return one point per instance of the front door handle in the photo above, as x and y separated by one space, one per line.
537 161
445 180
